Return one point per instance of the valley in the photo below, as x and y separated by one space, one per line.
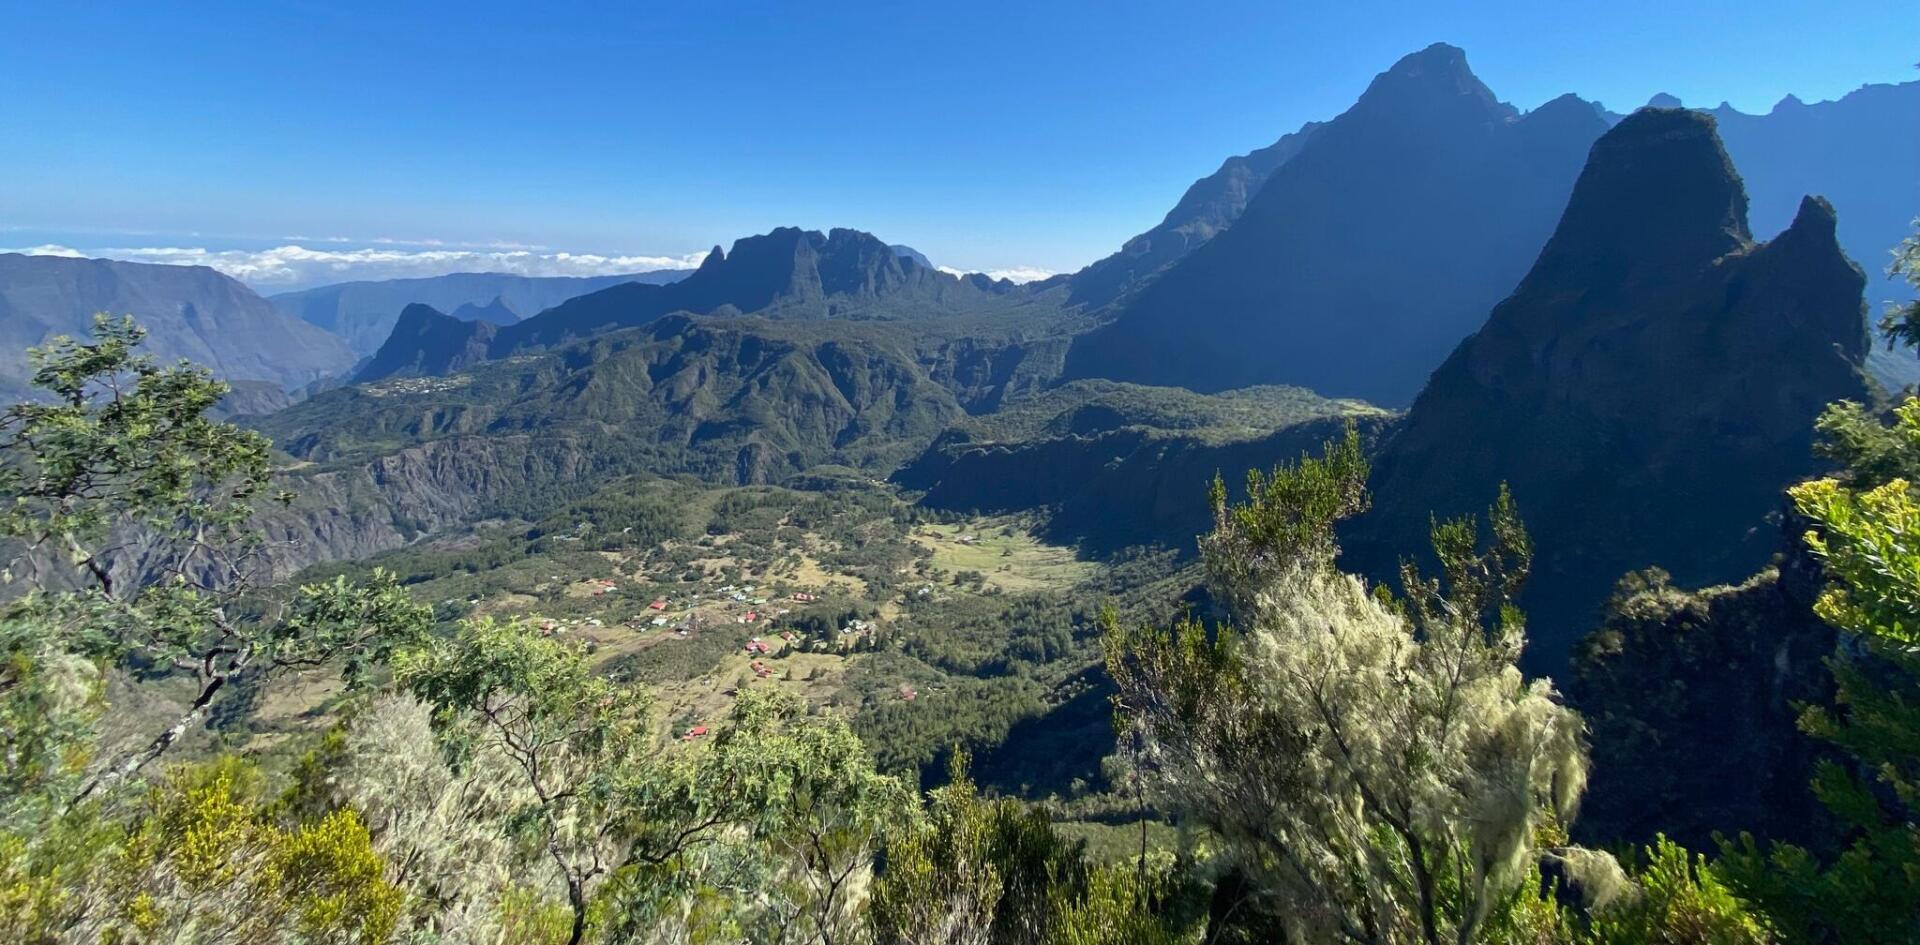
1452 521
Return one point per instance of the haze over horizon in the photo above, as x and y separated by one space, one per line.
296 148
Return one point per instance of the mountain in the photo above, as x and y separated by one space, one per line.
1862 153
189 312
1366 257
726 400
908 252
428 342
1113 465
1208 207
496 312
1647 390
786 274
363 313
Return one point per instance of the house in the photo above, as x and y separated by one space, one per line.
697 731
749 617
907 693
659 621
755 646
805 597
659 603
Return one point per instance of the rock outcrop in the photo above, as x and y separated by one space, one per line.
1648 389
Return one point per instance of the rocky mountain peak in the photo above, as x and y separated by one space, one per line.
1658 192
1436 77
1648 389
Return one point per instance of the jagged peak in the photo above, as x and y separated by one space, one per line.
715 258
1658 190
1438 71
1813 234
422 312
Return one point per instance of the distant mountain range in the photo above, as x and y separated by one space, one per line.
786 274
1647 391
363 313
1370 243
189 312
1369 254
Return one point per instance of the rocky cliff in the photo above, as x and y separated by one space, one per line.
1647 390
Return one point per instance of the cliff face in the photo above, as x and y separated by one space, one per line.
189 312
1366 256
1680 688
1113 465
1647 390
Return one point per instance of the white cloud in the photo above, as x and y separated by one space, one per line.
48 250
1014 274
296 266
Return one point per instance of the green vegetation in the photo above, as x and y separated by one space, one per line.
637 708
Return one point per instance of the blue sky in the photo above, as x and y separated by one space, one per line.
989 135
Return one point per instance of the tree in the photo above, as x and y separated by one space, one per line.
979 870
120 475
578 741
1865 530
208 861
1901 323
1377 767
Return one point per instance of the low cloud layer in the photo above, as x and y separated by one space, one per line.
294 266
1015 274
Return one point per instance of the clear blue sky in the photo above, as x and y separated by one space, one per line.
986 134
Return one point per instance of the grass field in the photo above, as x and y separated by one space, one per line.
1007 555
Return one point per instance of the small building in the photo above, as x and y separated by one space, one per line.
698 731
659 603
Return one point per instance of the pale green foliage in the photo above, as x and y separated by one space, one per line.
1288 517
208 862
447 832
1677 899
1115 906
50 697
1379 770
1866 541
978 870
578 741
767 835
941 884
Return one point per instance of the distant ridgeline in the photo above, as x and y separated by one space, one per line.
363 314
786 274
189 312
